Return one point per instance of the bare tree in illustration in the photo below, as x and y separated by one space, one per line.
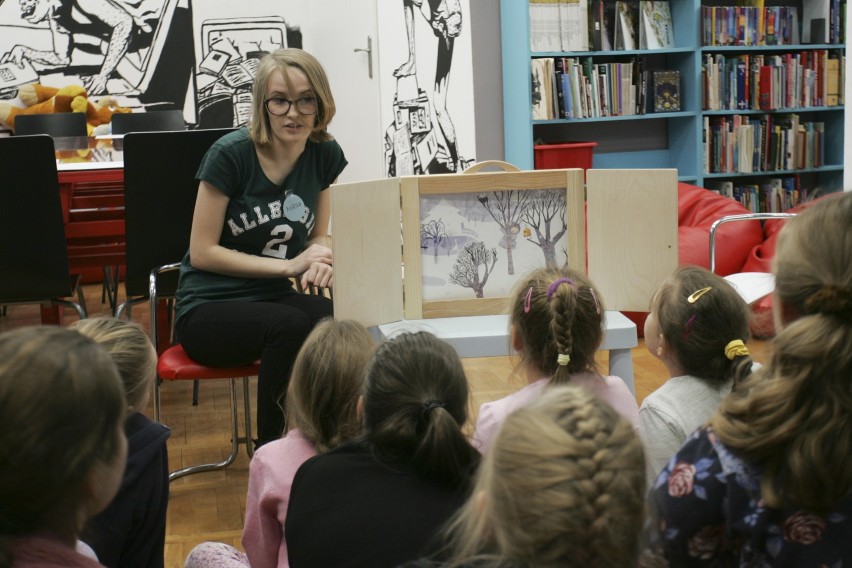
540 214
466 269
507 208
434 233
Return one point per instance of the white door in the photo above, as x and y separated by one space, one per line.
332 31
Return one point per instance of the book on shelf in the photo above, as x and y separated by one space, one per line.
545 33
832 82
666 90
540 87
574 25
655 25
601 24
816 21
626 26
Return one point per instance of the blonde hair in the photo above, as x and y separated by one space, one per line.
563 485
698 331
281 60
61 407
791 417
562 319
328 377
131 350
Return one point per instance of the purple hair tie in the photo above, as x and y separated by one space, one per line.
687 327
553 286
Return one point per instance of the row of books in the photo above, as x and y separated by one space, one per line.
773 81
773 195
824 21
576 87
599 25
743 25
748 144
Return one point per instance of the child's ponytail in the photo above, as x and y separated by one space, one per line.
415 405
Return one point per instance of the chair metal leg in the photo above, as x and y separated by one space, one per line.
247 417
195 389
235 442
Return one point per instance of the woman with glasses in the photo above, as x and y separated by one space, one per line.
261 218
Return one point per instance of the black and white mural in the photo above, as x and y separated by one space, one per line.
151 54
427 86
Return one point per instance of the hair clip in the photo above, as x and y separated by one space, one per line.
562 359
736 348
555 284
528 300
687 327
595 298
697 294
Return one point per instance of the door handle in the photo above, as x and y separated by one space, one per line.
369 51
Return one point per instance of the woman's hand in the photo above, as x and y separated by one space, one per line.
314 265
319 274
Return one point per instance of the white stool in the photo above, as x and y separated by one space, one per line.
488 336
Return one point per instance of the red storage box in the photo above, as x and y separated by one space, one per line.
567 155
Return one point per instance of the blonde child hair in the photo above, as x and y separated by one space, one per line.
132 351
557 316
791 418
563 485
328 377
61 411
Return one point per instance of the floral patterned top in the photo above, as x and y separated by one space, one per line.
706 511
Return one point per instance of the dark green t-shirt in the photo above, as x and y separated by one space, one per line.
262 218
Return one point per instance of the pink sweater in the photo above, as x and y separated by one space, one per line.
270 476
45 551
608 388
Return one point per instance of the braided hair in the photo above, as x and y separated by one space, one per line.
563 485
558 317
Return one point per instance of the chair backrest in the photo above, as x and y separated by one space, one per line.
33 256
154 121
61 124
159 200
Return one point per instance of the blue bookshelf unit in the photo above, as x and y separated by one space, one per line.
657 140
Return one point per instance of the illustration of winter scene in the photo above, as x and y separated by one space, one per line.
476 245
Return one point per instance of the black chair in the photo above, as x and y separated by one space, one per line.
33 254
154 121
60 125
159 199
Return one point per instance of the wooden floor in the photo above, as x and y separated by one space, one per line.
210 506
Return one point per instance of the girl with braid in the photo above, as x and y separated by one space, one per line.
557 325
697 326
769 481
563 485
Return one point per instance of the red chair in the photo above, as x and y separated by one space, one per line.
175 365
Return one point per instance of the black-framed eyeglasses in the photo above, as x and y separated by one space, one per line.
280 106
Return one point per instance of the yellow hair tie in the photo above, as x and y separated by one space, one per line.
736 348
563 359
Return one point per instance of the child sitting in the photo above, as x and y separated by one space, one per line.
132 530
62 444
563 485
328 377
769 481
379 501
697 326
556 325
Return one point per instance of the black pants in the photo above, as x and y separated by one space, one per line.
225 334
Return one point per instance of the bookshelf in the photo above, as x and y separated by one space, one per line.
661 140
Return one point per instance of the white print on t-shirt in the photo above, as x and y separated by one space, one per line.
275 247
294 209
